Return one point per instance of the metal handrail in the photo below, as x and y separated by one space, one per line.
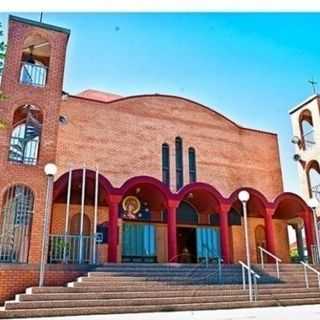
198 265
204 278
219 259
171 260
250 274
272 256
307 266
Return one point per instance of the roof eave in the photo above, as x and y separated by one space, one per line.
302 104
39 24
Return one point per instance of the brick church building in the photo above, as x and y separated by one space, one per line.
150 178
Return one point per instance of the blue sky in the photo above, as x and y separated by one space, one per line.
252 68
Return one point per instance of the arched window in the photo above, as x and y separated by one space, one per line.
214 219
307 130
35 61
15 226
75 225
313 176
192 165
234 218
187 214
25 136
165 164
179 163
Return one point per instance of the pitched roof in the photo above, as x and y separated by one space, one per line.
302 104
39 24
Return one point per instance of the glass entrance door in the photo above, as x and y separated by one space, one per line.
208 243
139 242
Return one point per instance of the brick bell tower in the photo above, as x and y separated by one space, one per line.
29 117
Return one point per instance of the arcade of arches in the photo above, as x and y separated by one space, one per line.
144 221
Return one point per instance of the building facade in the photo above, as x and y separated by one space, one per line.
305 119
152 178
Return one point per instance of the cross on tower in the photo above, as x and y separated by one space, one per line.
314 85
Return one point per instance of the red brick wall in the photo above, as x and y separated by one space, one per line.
124 138
15 279
47 99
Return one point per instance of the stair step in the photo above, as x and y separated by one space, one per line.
129 288
146 287
13 305
23 313
150 294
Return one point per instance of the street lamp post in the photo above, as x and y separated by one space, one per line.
313 204
50 170
244 197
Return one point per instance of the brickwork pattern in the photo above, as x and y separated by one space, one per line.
16 279
133 130
47 99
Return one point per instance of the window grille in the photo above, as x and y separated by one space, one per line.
24 142
16 219
33 74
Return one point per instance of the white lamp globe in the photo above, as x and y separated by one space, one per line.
244 196
295 140
312 203
50 169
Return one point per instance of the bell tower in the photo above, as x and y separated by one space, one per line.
32 83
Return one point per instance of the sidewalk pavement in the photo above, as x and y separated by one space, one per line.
310 312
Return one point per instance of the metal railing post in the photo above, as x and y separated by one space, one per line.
46 226
207 262
306 276
251 273
243 278
95 222
261 257
83 195
255 288
66 228
263 250
219 270
307 266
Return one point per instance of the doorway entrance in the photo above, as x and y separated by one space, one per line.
139 242
187 248
260 237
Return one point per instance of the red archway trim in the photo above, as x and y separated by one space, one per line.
289 196
62 182
203 187
138 180
234 196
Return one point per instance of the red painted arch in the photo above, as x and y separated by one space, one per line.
201 186
253 192
62 182
292 197
146 180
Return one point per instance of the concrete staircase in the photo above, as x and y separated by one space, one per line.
128 288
